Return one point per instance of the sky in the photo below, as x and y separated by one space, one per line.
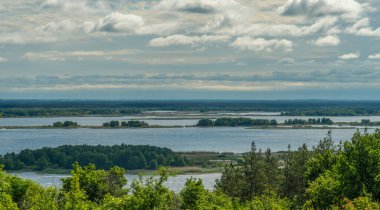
190 49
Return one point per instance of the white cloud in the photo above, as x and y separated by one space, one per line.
347 9
77 6
374 56
113 22
62 55
271 29
25 38
329 40
119 22
50 32
349 56
363 28
260 44
179 39
2 59
222 21
58 27
195 6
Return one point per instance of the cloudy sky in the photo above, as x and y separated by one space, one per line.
190 49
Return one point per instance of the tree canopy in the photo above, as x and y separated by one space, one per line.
124 156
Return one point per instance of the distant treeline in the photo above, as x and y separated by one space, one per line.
113 124
131 123
38 112
32 108
318 121
342 111
65 124
366 122
233 122
105 157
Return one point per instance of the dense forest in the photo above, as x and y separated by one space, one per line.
33 108
329 176
233 122
124 156
318 121
65 124
131 124
60 112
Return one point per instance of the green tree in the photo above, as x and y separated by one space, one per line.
150 194
323 191
42 163
205 123
254 173
192 194
95 184
322 159
294 169
245 181
153 164
232 181
272 172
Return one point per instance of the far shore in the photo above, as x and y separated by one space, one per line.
279 126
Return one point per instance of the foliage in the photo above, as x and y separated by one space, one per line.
113 123
323 158
131 123
233 122
125 156
96 183
251 178
33 108
310 121
65 124
134 124
16 193
205 123
346 176
63 111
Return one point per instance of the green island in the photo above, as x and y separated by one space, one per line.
328 176
134 158
114 124
126 156
324 123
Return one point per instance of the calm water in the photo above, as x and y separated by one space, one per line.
221 139
90 121
155 120
174 183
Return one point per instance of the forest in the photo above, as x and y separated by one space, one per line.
310 121
125 156
35 108
233 122
328 176
130 124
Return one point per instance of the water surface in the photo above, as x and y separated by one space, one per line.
159 120
174 183
218 139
